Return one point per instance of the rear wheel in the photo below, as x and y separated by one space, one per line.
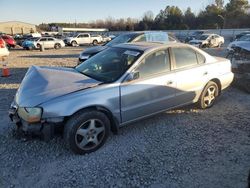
95 42
57 46
208 95
86 131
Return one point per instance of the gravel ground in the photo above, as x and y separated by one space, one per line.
186 147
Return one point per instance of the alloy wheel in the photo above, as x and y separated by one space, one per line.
90 134
210 96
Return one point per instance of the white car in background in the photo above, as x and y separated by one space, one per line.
49 42
208 40
83 38
240 41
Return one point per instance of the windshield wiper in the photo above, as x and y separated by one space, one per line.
90 76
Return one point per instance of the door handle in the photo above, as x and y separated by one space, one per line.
205 73
169 82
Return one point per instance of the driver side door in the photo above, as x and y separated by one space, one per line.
153 91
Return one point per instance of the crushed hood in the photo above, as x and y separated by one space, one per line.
41 84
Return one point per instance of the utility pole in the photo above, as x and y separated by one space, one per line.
223 20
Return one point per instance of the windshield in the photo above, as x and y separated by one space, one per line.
121 39
109 65
203 37
245 38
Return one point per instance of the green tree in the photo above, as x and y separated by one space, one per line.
189 19
236 13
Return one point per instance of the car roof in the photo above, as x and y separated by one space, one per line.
144 46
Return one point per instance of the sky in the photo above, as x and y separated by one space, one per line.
47 11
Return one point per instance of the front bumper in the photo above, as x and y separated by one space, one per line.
23 125
44 129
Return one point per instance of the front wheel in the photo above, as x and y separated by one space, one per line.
208 95
220 44
86 131
74 43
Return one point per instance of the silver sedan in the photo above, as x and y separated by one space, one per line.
118 86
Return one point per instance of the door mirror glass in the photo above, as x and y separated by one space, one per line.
133 76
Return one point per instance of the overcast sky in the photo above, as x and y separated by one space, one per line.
47 11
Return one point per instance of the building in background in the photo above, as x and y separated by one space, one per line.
16 27
62 30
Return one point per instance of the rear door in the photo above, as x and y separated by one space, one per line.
50 43
153 91
191 73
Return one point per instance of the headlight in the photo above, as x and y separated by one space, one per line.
30 115
84 56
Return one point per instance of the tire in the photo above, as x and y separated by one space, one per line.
208 95
86 131
95 42
219 45
57 46
74 43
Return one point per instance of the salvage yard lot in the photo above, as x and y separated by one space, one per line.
186 147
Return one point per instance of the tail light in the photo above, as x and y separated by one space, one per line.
2 43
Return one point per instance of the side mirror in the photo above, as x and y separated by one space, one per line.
133 76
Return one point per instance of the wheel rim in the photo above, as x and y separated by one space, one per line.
210 96
90 134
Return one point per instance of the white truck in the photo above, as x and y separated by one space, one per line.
83 38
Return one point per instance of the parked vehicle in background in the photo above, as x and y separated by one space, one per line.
21 38
117 86
242 40
106 39
241 34
82 38
4 52
49 42
128 37
207 41
29 43
112 36
10 42
239 55
194 35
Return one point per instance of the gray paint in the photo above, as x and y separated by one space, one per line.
62 91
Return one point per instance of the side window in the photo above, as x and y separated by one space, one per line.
201 59
50 39
155 63
43 39
141 38
85 36
79 36
184 57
